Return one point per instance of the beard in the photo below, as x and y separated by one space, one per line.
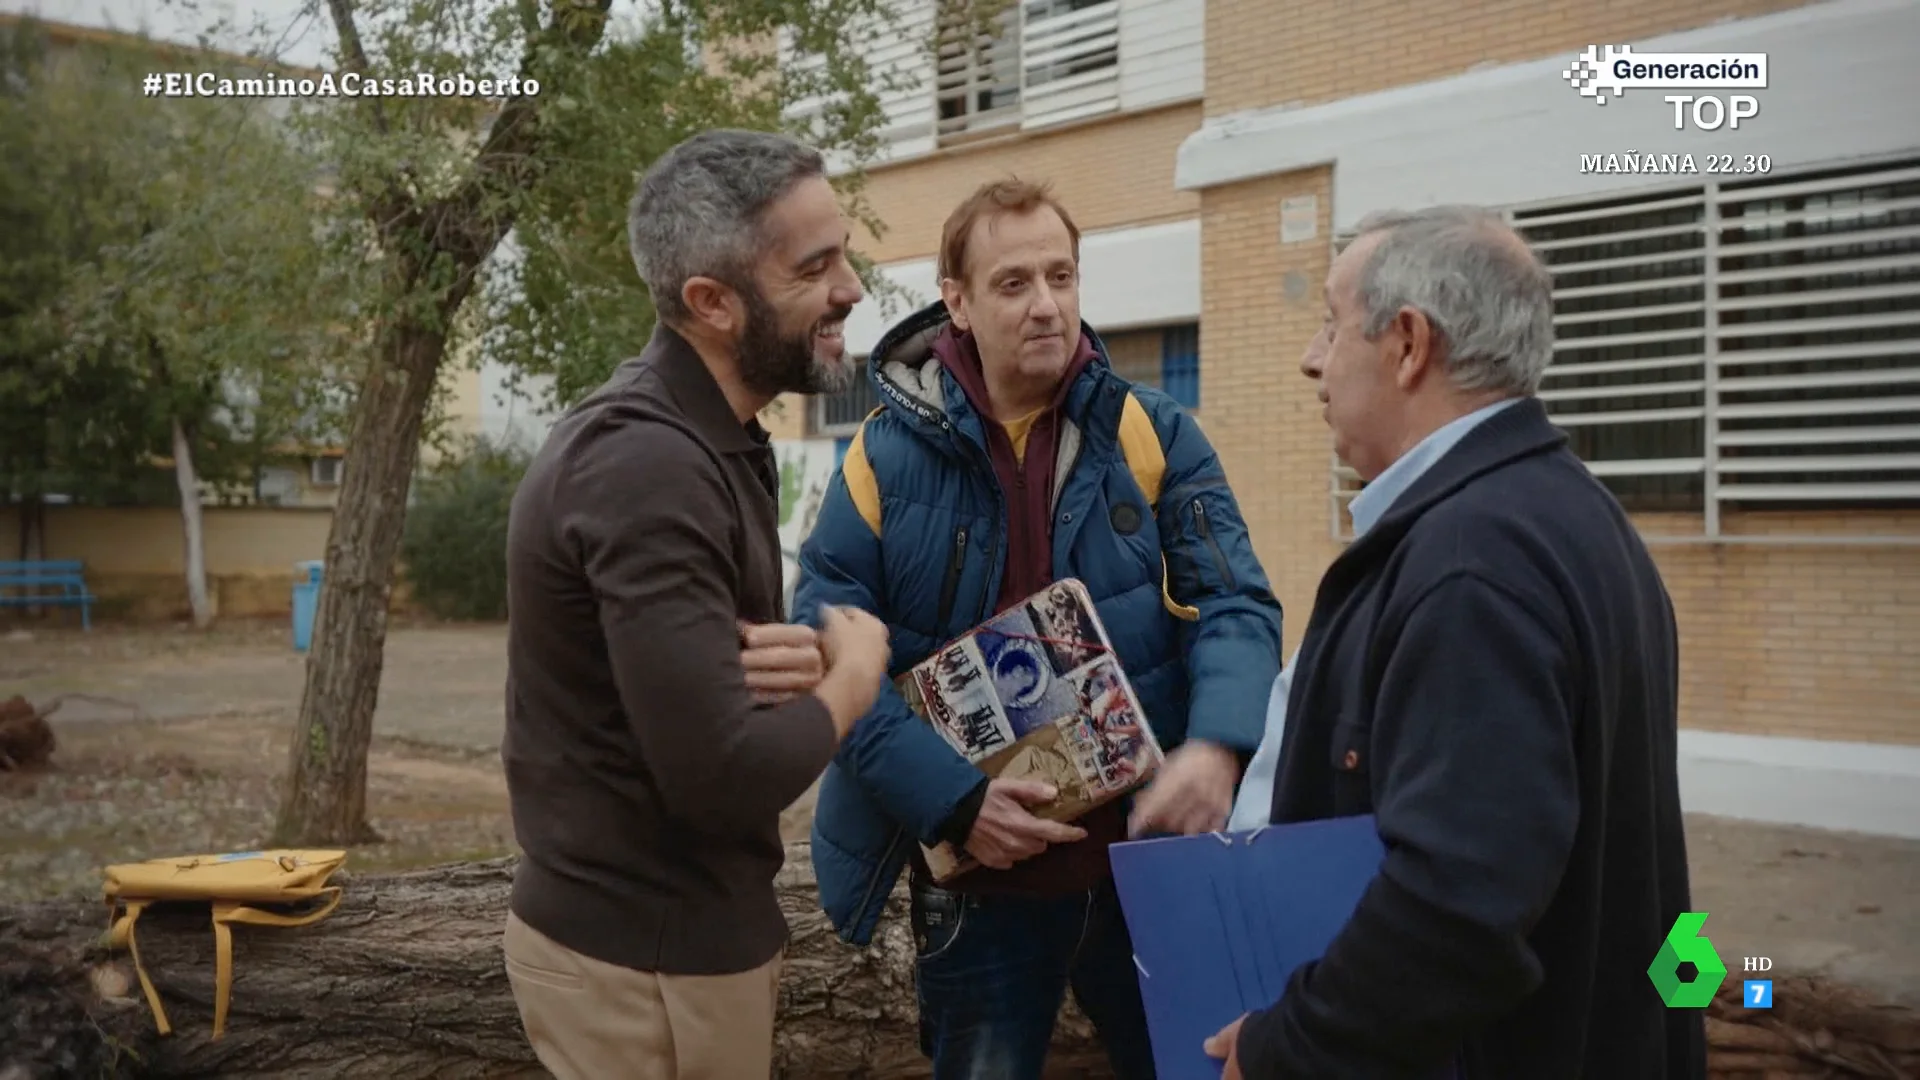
774 361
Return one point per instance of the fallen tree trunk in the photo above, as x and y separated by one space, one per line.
405 982
1814 1029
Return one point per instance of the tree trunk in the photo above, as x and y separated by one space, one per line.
33 531
436 248
189 481
405 982
33 534
325 802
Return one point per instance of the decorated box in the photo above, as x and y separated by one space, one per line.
1037 693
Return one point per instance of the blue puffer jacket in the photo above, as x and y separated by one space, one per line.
1198 634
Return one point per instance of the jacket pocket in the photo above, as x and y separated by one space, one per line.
1198 507
950 582
1198 556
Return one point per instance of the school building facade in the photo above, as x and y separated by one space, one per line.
1737 308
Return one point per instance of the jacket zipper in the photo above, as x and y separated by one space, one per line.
951 583
986 581
948 587
1206 533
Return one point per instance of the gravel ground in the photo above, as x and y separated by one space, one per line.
148 789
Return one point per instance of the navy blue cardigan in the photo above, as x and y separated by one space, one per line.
1492 671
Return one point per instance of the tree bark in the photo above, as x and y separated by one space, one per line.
190 519
405 982
436 248
325 802
33 533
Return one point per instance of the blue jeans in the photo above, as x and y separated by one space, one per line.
992 972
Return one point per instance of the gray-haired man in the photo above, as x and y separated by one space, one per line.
1491 671
660 714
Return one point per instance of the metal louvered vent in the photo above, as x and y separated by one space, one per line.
1738 347
949 72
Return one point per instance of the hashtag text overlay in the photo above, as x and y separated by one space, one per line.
351 84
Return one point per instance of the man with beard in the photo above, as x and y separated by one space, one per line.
660 716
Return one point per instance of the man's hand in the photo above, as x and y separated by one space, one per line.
1224 1046
1005 832
783 660
1192 794
854 644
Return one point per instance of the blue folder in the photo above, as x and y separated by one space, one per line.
1221 921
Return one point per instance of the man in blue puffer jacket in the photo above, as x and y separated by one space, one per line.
1008 455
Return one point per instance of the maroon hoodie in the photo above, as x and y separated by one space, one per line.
1028 484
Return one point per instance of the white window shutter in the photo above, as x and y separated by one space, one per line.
1163 45
1069 60
1817 338
977 73
1746 344
900 55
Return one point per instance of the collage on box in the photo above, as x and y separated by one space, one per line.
1037 693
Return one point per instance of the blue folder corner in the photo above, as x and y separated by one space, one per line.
1221 921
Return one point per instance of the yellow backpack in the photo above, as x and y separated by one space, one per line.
1139 445
230 884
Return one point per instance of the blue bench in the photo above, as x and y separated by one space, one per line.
49 583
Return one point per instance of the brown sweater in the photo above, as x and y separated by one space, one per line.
646 787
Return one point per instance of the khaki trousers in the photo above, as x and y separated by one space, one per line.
590 1020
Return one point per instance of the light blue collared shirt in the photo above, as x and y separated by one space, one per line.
1251 809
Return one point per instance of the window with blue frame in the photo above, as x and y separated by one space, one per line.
1180 363
840 414
1167 357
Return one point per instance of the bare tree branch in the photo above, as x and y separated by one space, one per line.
355 53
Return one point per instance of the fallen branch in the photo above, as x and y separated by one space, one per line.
404 982
1814 1029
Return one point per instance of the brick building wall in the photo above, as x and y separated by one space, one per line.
1263 416
1261 52
1797 640
1779 640
1110 172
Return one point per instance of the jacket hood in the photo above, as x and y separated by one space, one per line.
910 376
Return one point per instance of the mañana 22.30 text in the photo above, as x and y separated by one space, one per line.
1677 164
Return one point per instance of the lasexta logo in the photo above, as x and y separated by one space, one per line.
1686 945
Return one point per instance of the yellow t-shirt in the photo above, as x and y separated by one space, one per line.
1018 430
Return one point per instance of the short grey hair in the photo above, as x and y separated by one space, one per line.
1488 296
699 210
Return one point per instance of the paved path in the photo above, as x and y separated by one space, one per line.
439 685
